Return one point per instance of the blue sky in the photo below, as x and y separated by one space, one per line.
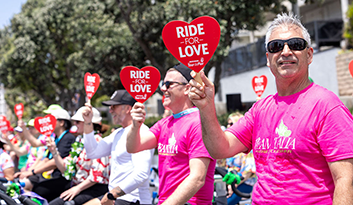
7 9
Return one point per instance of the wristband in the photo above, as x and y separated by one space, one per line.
33 172
88 123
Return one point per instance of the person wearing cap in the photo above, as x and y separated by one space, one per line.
185 169
128 181
38 180
89 177
7 167
301 136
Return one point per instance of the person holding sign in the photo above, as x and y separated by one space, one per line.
50 187
301 137
89 177
128 181
186 170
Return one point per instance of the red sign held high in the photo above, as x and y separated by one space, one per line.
140 83
91 84
194 43
19 110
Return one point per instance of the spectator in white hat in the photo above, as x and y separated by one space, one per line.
89 177
43 185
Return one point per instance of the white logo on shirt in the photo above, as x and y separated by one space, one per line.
170 148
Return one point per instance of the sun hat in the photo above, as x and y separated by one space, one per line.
31 123
51 108
96 115
61 114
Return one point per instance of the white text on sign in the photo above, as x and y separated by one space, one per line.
46 128
91 79
259 80
140 76
44 120
189 34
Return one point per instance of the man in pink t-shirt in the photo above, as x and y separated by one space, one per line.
301 137
186 169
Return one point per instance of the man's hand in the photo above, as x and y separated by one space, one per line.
138 114
106 201
201 95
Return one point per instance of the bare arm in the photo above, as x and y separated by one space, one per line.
20 151
9 173
342 173
69 194
31 139
192 183
218 143
137 141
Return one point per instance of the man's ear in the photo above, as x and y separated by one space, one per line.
187 89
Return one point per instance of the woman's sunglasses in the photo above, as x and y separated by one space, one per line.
296 44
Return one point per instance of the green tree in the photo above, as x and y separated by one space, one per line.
348 32
51 44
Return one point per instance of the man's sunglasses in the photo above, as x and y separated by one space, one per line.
296 44
169 83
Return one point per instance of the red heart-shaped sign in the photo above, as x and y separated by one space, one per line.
351 67
91 84
19 110
192 44
259 84
45 125
140 83
3 118
4 125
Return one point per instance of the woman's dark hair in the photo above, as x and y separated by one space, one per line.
67 124
2 145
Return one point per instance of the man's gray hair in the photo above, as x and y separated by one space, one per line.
287 20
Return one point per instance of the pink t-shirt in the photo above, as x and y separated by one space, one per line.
179 140
293 139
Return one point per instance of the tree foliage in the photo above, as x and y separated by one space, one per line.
51 44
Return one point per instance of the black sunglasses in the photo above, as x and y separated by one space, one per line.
169 83
296 44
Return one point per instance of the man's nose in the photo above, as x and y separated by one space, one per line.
286 50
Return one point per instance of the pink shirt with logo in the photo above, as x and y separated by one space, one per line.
179 140
293 139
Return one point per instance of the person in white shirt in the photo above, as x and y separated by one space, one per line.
128 182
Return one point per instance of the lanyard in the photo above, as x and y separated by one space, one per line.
57 140
185 112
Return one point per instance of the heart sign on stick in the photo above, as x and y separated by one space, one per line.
259 84
194 43
3 118
91 84
140 83
45 125
4 125
351 67
19 110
